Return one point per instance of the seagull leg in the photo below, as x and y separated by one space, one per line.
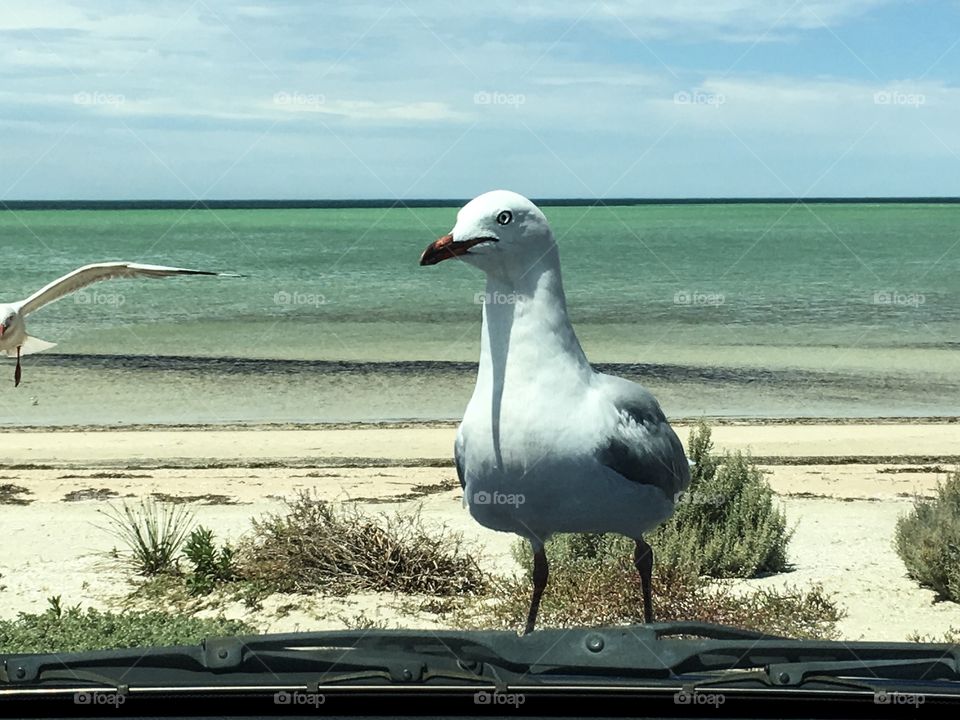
643 560
17 371
540 573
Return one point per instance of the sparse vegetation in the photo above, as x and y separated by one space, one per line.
950 637
60 629
592 582
11 494
317 546
928 539
727 523
152 532
728 526
90 494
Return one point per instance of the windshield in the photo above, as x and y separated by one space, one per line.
314 370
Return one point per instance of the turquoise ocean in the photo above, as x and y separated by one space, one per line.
772 310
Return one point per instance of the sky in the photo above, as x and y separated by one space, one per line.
409 99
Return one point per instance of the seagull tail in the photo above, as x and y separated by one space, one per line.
34 345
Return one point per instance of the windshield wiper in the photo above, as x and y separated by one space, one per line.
669 655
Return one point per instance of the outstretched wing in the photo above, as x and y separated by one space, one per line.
89 274
643 447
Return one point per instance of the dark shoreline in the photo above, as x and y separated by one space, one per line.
452 424
266 204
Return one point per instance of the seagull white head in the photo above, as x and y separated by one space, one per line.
496 232
9 323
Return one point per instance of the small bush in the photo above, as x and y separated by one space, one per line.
153 533
726 524
212 566
73 630
928 540
320 547
601 587
950 637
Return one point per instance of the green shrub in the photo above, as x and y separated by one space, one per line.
726 524
317 546
153 533
212 566
72 630
928 540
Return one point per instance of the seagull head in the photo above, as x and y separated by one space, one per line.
8 320
499 232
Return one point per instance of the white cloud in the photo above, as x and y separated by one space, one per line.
366 110
733 20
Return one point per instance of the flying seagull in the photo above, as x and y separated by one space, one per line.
547 444
14 340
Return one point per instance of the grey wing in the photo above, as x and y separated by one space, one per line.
643 447
458 459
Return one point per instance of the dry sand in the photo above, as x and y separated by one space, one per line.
843 486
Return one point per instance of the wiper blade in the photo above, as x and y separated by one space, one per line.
389 656
652 653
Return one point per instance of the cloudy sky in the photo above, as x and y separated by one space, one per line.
419 99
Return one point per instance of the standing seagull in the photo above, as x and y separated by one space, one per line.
13 331
548 445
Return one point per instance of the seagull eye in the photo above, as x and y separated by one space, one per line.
505 217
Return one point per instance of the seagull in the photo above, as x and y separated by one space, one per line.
547 444
14 340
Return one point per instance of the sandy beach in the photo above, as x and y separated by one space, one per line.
843 485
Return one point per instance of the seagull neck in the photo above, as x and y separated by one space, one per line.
528 314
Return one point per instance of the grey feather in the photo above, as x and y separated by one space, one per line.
458 459
659 460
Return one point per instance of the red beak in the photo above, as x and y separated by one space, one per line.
446 247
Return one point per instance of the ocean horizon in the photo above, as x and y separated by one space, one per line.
358 203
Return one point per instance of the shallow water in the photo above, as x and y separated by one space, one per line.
723 310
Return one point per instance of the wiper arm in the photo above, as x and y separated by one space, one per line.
390 656
652 653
